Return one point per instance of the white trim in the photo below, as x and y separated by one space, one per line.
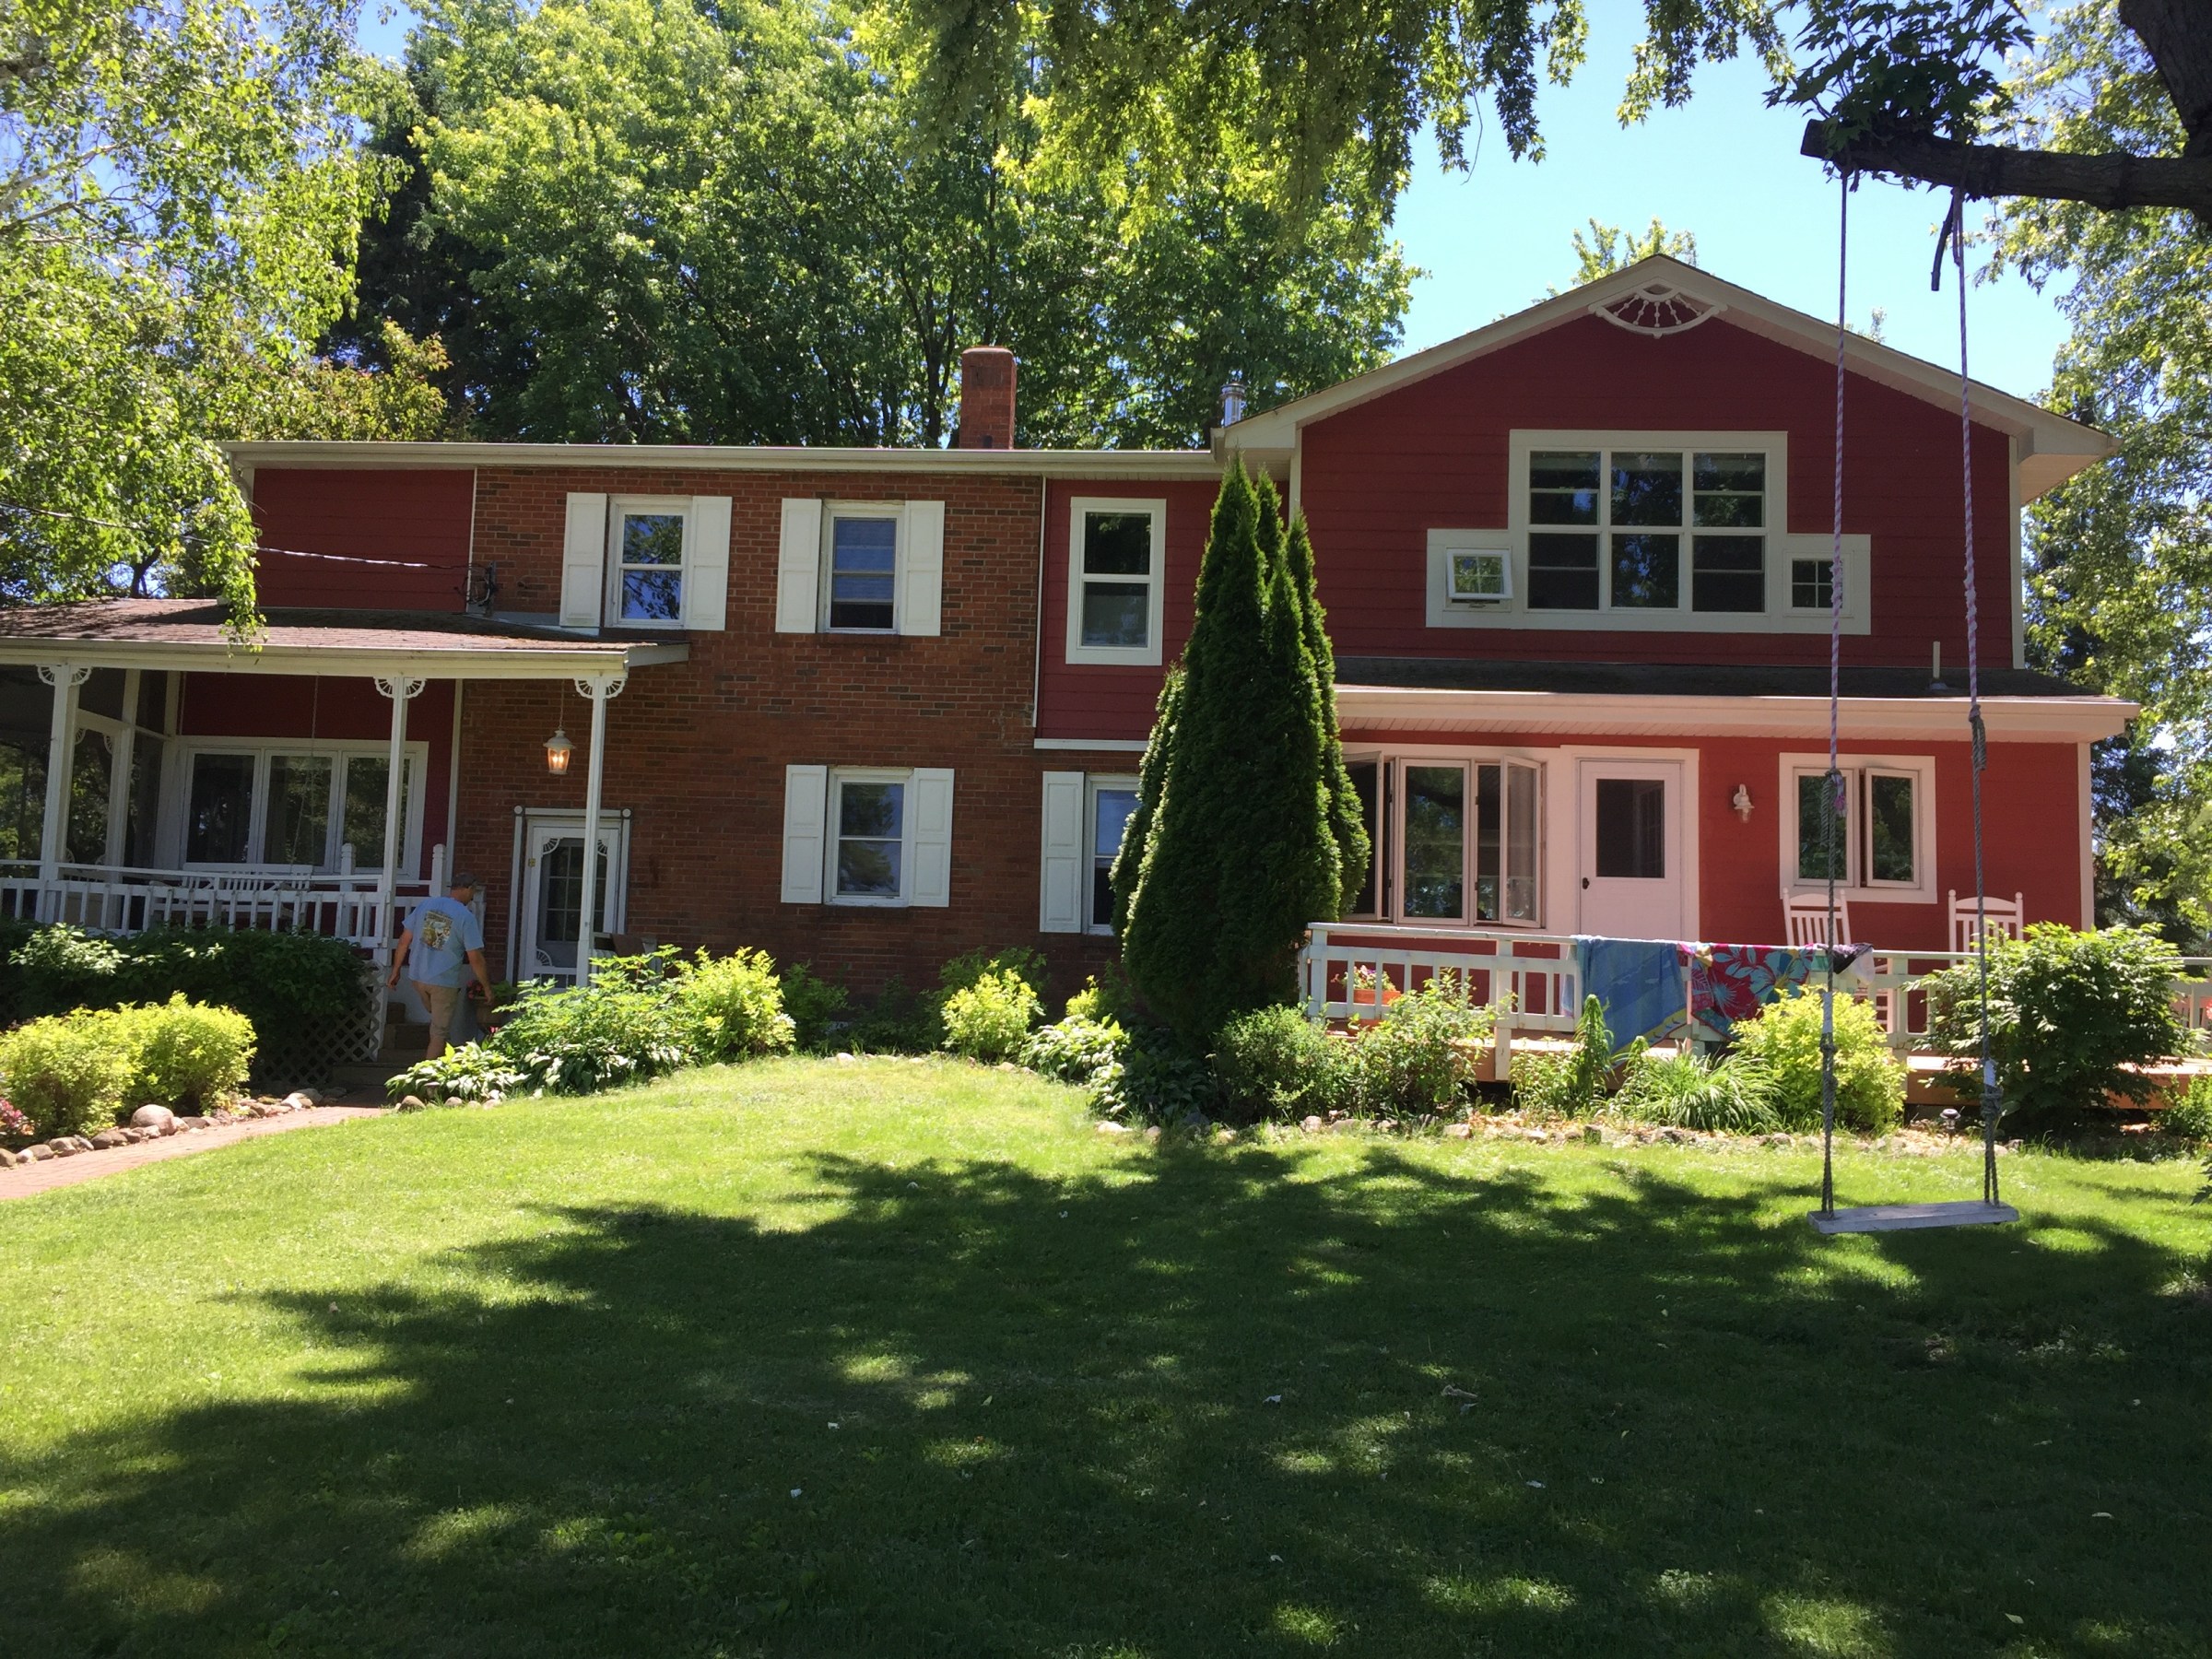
1373 709
799 565
789 458
919 571
894 513
2017 594
1104 745
1391 762
583 560
1443 611
1087 888
530 660
621 507
805 823
1061 864
1858 887
706 593
2088 845
1155 579
2052 448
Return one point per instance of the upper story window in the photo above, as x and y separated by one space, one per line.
862 592
860 567
1116 565
647 551
1647 529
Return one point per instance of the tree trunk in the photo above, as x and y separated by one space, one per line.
1988 170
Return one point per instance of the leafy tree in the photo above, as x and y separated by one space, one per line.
648 219
179 189
2120 559
1234 849
1306 86
1608 248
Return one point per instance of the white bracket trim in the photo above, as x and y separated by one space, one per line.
59 674
404 687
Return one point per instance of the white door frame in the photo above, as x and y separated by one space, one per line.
533 827
1564 875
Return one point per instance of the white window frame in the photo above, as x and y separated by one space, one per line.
838 777
1783 546
1390 895
177 804
1093 782
1382 841
1148 654
1857 885
895 512
610 601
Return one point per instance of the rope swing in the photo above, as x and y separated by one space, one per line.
1896 1218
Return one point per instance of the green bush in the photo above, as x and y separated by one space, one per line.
1573 1084
67 1073
2189 1117
1158 1080
964 970
2069 1013
623 1027
476 1071
1783 1041
1413 1059
1276 1062
989 1019
1107 997
186 1054
898 1021
814 1006
733 1005
1734 1097
1081 1051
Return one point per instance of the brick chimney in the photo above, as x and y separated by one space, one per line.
986 398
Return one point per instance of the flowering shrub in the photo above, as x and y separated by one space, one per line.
13 1125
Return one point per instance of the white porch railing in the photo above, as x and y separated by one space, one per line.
1348 969
116 900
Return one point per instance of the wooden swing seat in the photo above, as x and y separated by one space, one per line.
1906 1217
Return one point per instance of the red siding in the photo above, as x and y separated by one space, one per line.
1092 699
1433 455
417 518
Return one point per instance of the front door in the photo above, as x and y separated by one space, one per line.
553 890
1631 876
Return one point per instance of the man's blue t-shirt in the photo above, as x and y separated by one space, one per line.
445 931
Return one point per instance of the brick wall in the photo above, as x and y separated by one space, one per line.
697 750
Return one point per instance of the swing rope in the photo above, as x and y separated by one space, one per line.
1833 784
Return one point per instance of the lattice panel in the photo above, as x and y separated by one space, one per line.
310 1056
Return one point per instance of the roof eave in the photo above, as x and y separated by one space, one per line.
586 658
1074 464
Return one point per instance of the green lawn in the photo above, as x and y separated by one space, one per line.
888 1358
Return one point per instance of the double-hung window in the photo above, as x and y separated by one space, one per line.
861 593
648 549
1116 565
1647 529
305 810
869 567
868 861
1876 832
867 835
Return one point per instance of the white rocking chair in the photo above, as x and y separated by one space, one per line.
2007 919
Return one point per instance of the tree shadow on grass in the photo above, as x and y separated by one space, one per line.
1194 1403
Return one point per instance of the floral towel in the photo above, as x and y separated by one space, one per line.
1728 982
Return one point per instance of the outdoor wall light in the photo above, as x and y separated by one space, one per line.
1742 801
557 750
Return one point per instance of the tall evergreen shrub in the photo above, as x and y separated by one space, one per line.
1234 846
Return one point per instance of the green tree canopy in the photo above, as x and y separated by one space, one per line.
647 219
1235 846
2120 559
179 188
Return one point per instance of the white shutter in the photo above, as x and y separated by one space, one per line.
1060 908
706 577
583 561
805 817
930 838
921 568
799 566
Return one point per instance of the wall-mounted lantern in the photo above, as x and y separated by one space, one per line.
1742 801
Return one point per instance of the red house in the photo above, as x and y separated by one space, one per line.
871 708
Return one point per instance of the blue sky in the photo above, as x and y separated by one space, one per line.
1724 166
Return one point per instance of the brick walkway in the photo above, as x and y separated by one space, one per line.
27 1179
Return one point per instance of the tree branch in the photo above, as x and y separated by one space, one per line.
1988 170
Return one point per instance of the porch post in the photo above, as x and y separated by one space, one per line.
399 689
65 677
597 691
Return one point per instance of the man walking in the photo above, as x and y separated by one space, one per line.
447 942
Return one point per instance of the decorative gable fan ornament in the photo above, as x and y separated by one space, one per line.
1656 308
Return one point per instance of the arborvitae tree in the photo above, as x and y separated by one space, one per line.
1231 851
1348 823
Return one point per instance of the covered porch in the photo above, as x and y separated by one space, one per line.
159 768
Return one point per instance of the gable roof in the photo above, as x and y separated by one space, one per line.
2051 448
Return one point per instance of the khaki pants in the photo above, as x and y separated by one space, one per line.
441 1001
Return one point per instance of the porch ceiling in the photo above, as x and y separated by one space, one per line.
1429 694
195 634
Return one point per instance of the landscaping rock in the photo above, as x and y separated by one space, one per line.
299 1099
1311 1126
107 1139
456 1101
159 1119
411 1103
1460 1131
1153 1132
847 1059
8 1159
62 1145
1113 1128
36 1154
